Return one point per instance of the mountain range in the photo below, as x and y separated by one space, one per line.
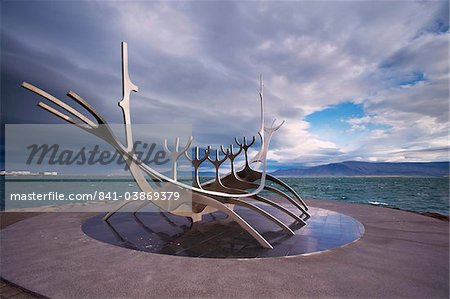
356 168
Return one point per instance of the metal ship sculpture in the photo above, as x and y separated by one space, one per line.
240 187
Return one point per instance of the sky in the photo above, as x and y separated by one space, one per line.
362 80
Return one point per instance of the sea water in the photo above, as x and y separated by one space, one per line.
420 194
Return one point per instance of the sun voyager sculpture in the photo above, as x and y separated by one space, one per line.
239 187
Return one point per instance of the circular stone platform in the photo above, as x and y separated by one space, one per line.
401 254
216 237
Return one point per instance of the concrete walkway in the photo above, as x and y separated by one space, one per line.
402 254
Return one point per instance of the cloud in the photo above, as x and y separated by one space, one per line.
199 63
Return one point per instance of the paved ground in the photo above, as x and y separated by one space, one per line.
401 255
8 290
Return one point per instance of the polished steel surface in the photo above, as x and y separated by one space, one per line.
217 237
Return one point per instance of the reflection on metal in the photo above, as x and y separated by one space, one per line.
220 194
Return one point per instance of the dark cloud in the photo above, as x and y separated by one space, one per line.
199 63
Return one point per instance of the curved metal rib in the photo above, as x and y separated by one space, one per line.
239 186
280 207
221 207
263 213
59 103
279 192
61 115
251 175
244 185
280 182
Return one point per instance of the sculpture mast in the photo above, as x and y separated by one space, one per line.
127 88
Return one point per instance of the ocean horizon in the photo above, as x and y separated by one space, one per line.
417 194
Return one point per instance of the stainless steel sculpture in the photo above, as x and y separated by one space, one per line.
220 194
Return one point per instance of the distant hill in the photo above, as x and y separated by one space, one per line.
355 168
